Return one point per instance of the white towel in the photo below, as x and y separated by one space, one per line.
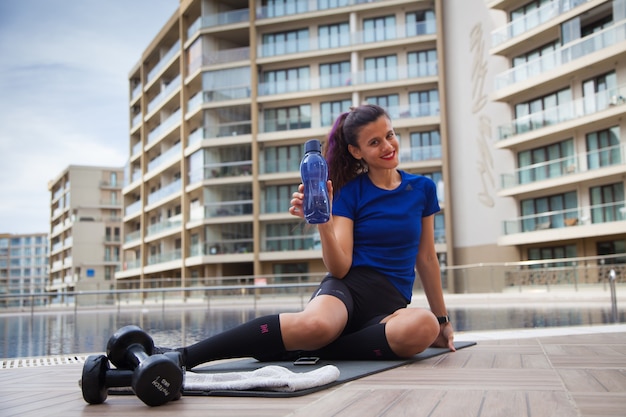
271 377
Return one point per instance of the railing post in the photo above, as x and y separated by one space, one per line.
613 295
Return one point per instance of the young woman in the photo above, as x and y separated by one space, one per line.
381 230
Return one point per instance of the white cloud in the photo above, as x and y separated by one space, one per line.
64 101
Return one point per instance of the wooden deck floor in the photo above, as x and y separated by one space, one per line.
573 375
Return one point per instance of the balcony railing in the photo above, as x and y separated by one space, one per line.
228 208
173 85
383 74
312 44
168 256
132 236
596 214
555 168
224 56
219 19
165 59
221 170
220 130
164 226
132 208
223 94
420 153
564 112
166 191
228 246
170 154
172 120
567 53
290 243
533 19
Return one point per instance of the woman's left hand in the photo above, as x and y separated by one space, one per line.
445 338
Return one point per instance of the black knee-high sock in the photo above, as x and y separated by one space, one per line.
256 337
366 344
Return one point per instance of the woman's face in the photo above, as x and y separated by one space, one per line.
377 145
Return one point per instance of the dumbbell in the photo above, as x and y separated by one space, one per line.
98 377
156 379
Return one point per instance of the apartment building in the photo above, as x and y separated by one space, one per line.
85 229
23 268
223 99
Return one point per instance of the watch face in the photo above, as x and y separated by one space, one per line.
443 319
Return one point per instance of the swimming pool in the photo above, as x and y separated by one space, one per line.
67 332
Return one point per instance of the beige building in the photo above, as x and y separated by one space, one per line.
223 99
85 228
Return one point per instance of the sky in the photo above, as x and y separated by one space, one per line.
64 67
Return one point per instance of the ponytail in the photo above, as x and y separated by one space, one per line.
342 166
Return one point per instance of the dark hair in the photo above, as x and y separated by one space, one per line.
342 166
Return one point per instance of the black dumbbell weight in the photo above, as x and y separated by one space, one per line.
98 377
156 379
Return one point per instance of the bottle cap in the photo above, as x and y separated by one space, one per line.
312 145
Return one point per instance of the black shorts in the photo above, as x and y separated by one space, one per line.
367 294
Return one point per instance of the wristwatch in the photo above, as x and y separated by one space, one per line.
443 319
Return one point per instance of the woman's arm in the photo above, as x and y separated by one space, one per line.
429 272
336 236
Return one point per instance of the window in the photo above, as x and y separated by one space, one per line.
113 179
607 203
278 197
275 8
379 29
424 103
288 236
544 111
422 63
599 91
334 36
330 110
282 158
335 74
612 247
287 118
546 162
285 42
548 212
382 68
552 252
391 103
230 84
603 148
330 4
286 81
425 145
420 23
534 62
526 17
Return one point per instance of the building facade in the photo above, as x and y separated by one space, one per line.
23 268
85 229
225 96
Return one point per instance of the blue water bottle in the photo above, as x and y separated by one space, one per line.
314 173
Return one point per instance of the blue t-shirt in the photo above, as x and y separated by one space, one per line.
388 224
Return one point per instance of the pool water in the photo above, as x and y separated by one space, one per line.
61 333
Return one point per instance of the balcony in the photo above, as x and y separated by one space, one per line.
352 39
133 208
420 153
225 56
570 52
159 131
383 74
221 170
569 165
218 95
222 247
165 92
164 227
564 112
292 243
166 191
168 256
170 155
533 19
559 219
304 6
132 236
165 59
218 19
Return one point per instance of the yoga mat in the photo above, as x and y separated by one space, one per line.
349 371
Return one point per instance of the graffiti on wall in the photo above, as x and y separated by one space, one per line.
484 163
